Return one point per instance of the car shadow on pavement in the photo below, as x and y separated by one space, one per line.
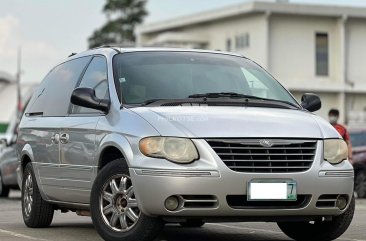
177 233
210 233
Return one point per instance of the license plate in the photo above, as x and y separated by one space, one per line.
272 190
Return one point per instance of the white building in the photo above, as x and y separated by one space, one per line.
309 48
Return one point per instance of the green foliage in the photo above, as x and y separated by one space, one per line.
123 16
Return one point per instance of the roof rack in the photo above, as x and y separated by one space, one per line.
116 46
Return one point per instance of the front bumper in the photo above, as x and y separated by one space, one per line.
154 186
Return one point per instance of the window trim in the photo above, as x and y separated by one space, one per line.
322 33
41 114
88 114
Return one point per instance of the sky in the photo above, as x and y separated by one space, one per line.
49 30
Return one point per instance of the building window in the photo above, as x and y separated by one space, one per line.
242 41
322 54
228 44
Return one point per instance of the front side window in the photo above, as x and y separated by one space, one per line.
145 76
95 77
52 97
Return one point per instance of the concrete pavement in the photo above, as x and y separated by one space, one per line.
70 227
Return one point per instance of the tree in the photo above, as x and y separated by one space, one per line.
123 16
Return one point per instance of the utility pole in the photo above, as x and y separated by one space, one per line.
18 76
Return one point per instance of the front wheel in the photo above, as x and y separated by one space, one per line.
114 207
319 230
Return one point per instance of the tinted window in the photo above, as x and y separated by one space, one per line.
358 139
176 75
95 77
53 95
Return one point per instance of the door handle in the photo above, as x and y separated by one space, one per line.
64 138
55 138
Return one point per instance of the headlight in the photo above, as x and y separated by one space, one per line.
335 150
179 150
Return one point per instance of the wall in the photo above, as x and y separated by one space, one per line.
356 31
292 51
254 25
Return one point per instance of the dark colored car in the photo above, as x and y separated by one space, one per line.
358 139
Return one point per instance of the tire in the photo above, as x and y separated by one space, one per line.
37 213
192 223
319 230
4 190
360 184
114 208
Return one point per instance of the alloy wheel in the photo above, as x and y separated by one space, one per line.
28 195
118 204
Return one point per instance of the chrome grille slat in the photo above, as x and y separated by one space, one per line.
267 154
248 155
240 160
261 148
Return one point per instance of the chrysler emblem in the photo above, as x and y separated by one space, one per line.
266 143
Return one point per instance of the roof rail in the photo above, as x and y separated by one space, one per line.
108 46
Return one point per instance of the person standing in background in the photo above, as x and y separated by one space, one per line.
342 130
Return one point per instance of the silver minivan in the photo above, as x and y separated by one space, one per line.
137 138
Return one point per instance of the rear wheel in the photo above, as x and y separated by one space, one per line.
360 184
319 230
114 207
37 213
192 223
4 190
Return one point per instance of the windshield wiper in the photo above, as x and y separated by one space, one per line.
224 94
237 95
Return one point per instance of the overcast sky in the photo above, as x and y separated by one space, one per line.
49 30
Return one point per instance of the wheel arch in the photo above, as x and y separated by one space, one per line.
26 156
113 146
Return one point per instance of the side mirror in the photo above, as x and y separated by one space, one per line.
311 102
85 97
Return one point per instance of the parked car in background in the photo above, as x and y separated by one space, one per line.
358 139
8 159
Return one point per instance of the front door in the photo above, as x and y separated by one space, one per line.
78 134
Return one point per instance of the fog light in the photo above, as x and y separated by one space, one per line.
172 203
341 202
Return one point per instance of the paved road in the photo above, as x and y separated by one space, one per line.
69 227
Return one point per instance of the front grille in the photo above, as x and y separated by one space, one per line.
241 202
265 155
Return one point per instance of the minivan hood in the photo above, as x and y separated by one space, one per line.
235 122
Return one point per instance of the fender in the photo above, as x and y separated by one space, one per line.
118 141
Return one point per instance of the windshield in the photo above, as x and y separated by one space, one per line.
144 76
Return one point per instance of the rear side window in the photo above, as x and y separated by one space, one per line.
95 77
53 95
